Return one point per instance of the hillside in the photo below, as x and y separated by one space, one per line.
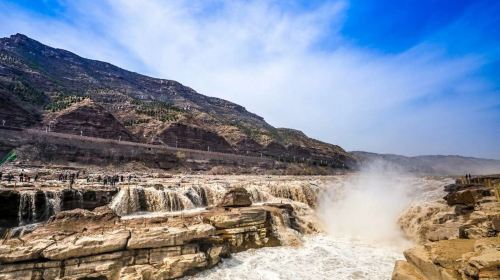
433 164
42 87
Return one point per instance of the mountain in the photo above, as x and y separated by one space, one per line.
433 164
41 86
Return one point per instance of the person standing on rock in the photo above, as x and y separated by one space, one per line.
21 177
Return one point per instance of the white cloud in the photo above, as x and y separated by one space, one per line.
269 60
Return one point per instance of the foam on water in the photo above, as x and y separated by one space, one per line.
363 240
321 257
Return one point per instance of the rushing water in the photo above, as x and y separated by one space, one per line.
321 257
363 239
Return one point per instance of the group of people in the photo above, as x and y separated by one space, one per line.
69 177
109 180
23 177
468 178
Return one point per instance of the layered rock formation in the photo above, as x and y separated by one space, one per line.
451 259
461 235
467 211
80 244
89 119
191 137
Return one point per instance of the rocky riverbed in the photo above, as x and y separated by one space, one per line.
460 234
161 226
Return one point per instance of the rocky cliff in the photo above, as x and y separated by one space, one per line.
40 85
81 244
460 234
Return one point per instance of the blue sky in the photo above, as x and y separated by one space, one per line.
406 77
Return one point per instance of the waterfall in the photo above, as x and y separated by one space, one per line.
149 199
158 198
257 195
54 200
37 206
301 193
27 208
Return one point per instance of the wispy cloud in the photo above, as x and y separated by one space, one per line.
273 60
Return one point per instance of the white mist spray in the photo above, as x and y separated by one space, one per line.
366 206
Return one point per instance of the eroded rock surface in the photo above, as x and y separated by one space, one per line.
467 211
452 259
465 230
82 244
237 197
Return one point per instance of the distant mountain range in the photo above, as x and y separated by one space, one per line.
432 164
49 88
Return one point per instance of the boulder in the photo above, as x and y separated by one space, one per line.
467 197
237 197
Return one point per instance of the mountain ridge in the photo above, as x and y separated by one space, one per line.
432 164
44 80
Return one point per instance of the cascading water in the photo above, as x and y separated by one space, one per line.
149 199
136 199
54 199
27 208
37 206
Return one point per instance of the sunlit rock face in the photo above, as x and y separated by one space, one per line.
460 233
100 245
466 211
451 259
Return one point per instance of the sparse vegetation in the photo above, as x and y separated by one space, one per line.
159 110
62 101
135 122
